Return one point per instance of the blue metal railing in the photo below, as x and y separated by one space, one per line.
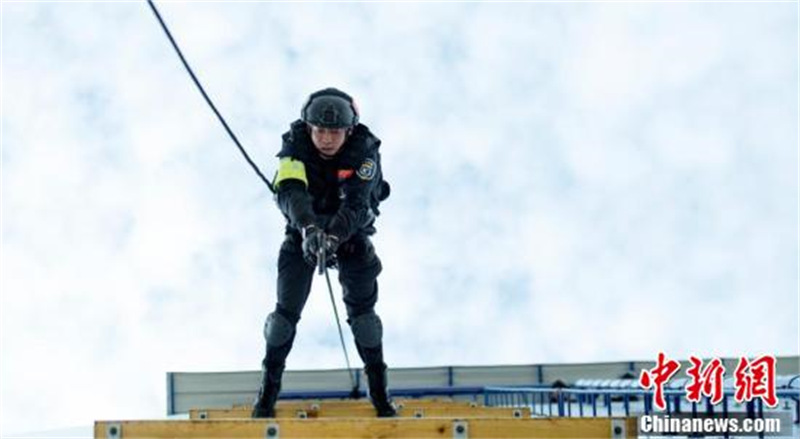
542 401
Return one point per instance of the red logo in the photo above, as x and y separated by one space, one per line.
753 379
756 379
658 376
705 380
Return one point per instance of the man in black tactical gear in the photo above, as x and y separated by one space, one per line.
328 185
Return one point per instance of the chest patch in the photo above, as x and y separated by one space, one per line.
367 170
344 174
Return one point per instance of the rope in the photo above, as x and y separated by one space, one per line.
350 371
208 100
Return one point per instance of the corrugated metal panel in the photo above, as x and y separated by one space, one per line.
211 382
297 380
570 373
418 377
788 366
495 376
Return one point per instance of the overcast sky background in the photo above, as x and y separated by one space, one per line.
571 183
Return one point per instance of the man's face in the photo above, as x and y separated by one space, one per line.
328 141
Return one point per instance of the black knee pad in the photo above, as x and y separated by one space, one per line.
278 330
367 329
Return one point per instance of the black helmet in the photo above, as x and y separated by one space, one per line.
330 108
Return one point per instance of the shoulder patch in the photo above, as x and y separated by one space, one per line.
367 170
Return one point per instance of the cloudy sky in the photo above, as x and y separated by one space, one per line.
572 182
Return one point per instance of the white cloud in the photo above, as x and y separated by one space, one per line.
570 183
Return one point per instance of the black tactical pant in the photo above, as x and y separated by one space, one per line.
358 267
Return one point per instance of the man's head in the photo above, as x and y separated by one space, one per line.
330 115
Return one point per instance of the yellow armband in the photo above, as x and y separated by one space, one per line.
291 169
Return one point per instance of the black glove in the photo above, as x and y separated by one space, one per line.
313 240
316 240
331 244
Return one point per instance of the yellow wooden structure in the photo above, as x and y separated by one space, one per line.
418 418
371 428
310 404
365 410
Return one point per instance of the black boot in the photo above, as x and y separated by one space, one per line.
376 379
264 406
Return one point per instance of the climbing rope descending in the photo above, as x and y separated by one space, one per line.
205 96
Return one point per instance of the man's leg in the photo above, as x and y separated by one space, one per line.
359 267
294 284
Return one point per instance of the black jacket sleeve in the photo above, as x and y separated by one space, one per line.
295 203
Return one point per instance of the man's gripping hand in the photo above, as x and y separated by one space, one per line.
313 240
316 240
